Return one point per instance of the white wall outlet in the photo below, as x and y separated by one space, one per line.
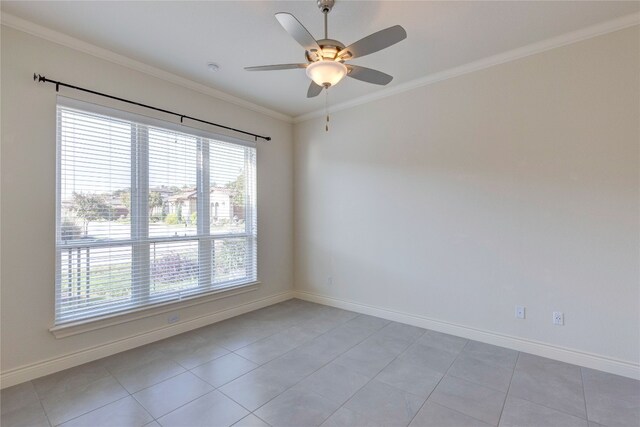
558 318
329 280
520 312
173 318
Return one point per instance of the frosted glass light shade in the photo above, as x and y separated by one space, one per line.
325 73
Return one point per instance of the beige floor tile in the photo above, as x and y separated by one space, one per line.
297 408
125 412
30 415
434 415
251 421
224 369
471 399
212 409
164 397
18 396
139 377
385 404
62 407
70 379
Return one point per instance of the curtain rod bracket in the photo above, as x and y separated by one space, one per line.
42 79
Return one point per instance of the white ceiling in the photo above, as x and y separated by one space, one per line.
181 37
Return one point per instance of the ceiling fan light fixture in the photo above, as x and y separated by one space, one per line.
329 52
325 57
326 73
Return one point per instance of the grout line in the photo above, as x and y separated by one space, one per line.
178 407
345 351
99 407
584 394
308 321
490 387
41 405
286 328
554 409
263 339
203 363
373 377
331 360
235 401
241 356
458 412
506 396
202 379
150 385
233 379
94 409
251 413
165 356
275 358
307 340
218 339
175 409
550 407
443 377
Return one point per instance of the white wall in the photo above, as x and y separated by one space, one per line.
28 192
517 184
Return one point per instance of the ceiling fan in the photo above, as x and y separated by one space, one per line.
326 58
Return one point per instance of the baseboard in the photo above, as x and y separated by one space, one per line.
588 360
36 370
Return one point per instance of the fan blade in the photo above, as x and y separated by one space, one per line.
369 75
374 42
297 31
314 90
275 67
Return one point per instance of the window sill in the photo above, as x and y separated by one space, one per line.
82 326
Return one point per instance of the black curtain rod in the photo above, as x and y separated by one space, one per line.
43 79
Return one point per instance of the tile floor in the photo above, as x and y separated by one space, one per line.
303 364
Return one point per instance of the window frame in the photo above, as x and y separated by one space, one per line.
139 239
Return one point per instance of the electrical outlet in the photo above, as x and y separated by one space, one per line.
173 318
520 312
329 280
558 318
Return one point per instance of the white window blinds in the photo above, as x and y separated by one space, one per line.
148 213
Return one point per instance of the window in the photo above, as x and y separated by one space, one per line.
148 213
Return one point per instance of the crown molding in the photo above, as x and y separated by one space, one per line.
37 30
512 55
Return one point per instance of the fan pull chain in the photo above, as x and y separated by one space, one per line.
326 109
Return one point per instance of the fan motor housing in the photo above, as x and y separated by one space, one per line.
330 48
